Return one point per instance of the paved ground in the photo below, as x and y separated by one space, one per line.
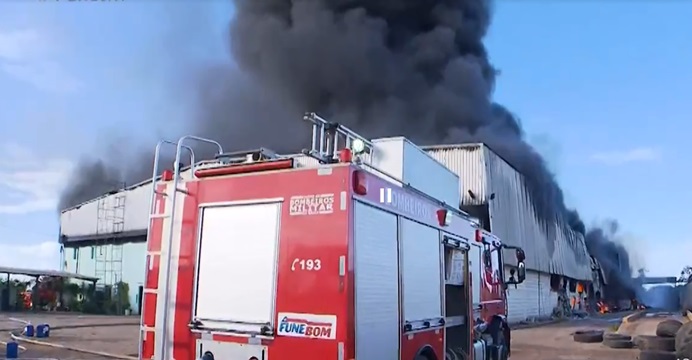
547 342
116 338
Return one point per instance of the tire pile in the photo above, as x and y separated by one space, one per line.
673 341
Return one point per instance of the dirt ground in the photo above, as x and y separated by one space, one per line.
554 342
543 342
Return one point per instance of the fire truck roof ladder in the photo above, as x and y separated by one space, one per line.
163 289
235 157
325 139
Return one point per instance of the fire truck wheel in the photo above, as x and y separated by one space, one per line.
668 328
588 336
647 342
618 343
656 355
616 336
425 353
683 341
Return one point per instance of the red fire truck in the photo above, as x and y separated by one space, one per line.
253 257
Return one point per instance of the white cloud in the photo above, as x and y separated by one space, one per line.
641 154
42 256
31 56
35 181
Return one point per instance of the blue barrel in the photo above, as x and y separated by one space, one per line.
12 350
42 331
29 330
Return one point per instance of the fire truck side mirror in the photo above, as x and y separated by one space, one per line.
521 256
487 258
521 272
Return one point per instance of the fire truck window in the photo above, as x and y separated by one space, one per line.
454 266
420 248
496 261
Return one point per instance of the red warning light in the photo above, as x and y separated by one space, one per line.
444 217
167 175
345 155
479 235
360 182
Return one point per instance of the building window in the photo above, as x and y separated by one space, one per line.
93 252
75 253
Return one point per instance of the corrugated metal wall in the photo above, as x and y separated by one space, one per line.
550 248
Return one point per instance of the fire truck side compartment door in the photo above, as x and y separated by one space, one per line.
376 272
236 281
421 279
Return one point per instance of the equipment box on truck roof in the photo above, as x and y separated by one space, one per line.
409 164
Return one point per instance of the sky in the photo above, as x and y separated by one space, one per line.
600 87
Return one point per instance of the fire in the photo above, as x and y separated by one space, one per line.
602 307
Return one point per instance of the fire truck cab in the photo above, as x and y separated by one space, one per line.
256 256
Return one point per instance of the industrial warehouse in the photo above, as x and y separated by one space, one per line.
106 237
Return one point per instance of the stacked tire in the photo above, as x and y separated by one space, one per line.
617 341
663 345
683 342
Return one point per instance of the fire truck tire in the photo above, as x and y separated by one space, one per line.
588 336
616 336
425 353
683 341
668 328
647 342
618 343
656 355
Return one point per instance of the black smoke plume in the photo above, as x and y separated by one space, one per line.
416 68
604 243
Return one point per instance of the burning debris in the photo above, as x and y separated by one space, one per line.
413 68
604 245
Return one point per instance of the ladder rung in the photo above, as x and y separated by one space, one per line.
154 253
147 328
159 216
150 291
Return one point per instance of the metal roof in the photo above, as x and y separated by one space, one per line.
37 272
